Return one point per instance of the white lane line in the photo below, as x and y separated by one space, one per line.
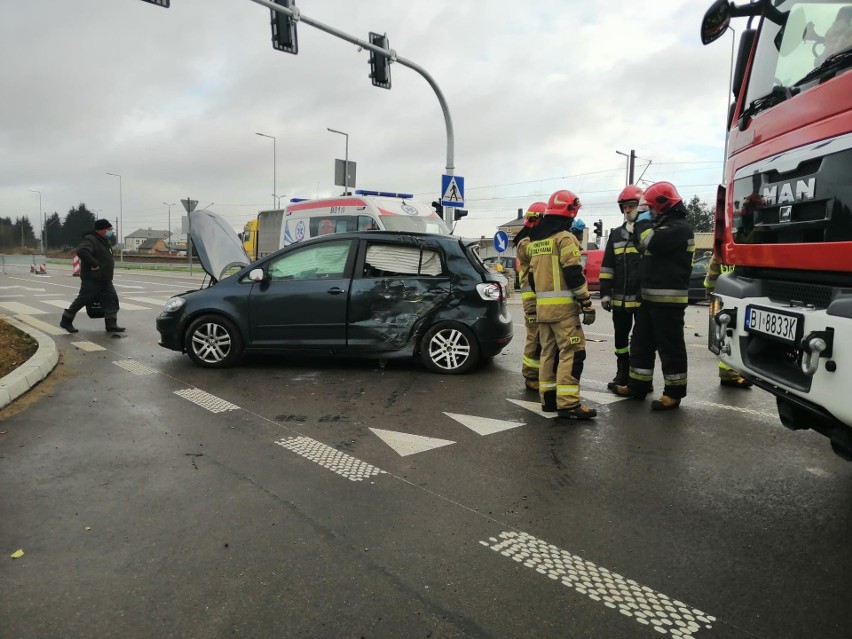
206 400
148 300
336 461
648 607
135 367
88 346
483 425
17 308
50 329
405 444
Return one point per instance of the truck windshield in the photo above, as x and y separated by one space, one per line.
415 224
809 36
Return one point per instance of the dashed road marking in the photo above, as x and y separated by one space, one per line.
135 367
483 425
646 606
407 444
334 460
206 400
88 346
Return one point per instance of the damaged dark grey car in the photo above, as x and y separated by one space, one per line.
374 294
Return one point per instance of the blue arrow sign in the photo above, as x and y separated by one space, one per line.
452 190
501 241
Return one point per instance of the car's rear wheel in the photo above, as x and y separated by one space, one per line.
450 349
212 341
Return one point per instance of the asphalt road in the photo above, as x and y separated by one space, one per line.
336 498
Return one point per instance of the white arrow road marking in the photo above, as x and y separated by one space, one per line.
648 607
21 309
483 425
600 398
405 444
533 406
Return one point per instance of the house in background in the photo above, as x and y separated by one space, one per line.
154 246
133 241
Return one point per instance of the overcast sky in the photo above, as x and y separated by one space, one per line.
542 94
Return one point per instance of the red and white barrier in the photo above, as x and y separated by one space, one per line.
76 263
42 270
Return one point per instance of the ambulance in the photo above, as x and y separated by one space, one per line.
365 210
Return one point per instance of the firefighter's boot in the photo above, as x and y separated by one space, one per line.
626 391
577 412
112 325
531 384
665 403
67 321
548 401
622 373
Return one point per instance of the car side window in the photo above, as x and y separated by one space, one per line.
394 260
327 261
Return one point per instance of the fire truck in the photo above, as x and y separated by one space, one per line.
783 221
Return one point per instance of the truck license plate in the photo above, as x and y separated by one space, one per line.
779 325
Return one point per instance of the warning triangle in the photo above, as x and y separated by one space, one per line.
406 444
483 425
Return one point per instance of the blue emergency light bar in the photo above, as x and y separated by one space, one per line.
298 199
402 196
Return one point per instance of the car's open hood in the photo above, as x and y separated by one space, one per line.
219 248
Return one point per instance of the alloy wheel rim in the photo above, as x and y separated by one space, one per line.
211 343
449 349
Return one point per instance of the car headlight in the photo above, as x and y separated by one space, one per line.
173 304
490 291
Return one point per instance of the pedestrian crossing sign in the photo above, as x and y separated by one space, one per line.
452 190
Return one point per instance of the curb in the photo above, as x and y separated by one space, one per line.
31 372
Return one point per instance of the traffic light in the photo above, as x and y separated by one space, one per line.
438 208
599 228
379 64
284 37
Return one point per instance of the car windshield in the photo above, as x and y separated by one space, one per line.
796 42
415 224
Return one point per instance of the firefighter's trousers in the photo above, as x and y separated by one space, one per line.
532 349
622 322
563 350
658 329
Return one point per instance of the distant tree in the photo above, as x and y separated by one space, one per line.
22 233
7 234
77 221
53 231
699 215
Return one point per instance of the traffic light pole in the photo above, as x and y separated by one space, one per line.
298 16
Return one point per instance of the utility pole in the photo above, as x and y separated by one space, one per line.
631 165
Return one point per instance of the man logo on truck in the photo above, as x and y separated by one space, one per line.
804 191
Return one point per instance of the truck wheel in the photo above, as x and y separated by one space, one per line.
450 349
212 341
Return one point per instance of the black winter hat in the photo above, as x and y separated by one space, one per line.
102 224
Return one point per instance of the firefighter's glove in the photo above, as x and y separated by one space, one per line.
606 303
588 314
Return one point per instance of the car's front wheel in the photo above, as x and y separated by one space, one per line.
213 341
450 349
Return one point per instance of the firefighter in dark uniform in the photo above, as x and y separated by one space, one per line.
620 281
667 246
532 348
555 274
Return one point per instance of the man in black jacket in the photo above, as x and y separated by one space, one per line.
96 271
667 246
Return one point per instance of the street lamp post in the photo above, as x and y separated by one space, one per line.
345 161
631 161
41 220
120 213
169 228
274 180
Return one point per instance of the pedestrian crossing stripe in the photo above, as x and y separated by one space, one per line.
50 329
16 308
148 300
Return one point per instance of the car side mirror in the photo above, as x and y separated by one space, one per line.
257 275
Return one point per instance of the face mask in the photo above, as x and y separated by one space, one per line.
109 234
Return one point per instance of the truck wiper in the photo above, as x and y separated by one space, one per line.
776 96
831 63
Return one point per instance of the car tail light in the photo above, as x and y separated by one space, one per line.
490 291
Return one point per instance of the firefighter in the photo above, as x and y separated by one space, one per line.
620 281
532 348
667 245
727 375
555 275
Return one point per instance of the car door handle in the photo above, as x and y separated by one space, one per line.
336 290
